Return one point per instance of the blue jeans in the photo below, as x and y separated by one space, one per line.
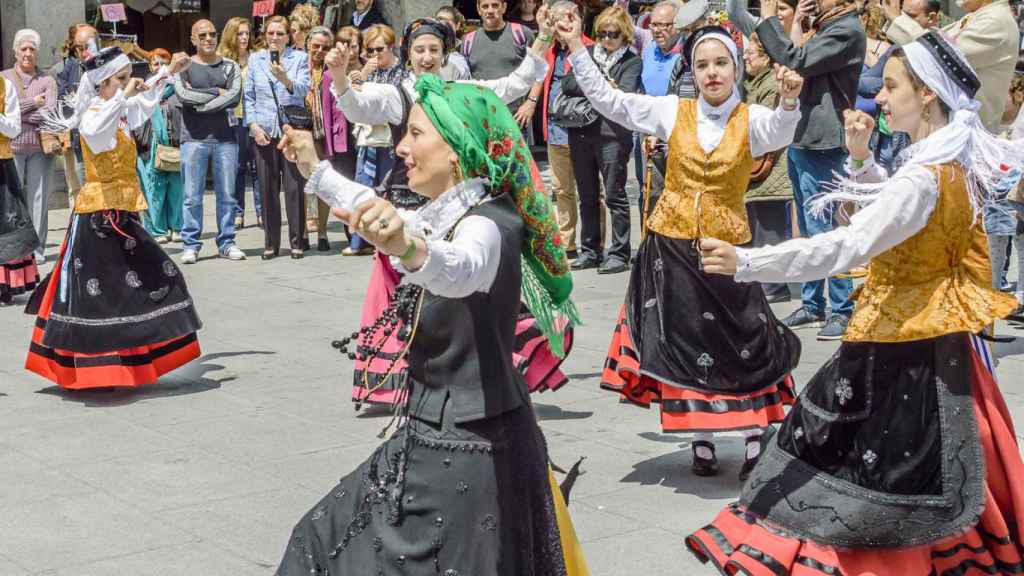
195 157
808 169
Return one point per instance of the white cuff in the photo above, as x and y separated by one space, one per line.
856 173
313 183
428 271
742 265
540 71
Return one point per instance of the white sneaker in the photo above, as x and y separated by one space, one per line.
233 252
163 238
189 257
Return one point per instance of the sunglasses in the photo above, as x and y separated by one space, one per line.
376 50
609 34
275 33
207 35
660 25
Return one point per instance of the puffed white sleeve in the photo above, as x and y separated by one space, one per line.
140 107
10 120
652 115
466 264
372 103
771 129
532 70
901 210
99 123
336 190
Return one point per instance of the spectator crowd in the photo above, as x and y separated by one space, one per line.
223 117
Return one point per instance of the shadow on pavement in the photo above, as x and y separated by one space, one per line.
550 412
189 379
673 471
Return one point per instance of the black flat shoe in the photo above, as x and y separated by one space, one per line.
612 267
750 463
704 466
322 245
268 255
297 254
584 263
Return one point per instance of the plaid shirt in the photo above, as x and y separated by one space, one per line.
31 115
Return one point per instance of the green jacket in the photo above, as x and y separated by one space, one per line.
762 90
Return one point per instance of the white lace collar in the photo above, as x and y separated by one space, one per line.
720 113
434 220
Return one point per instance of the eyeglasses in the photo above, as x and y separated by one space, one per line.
378 50
660 25
319 48
207 35
274 33
609 34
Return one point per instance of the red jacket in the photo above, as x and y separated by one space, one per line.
550 57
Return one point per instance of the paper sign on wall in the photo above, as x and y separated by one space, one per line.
113 12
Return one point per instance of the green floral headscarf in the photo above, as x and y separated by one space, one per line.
482 132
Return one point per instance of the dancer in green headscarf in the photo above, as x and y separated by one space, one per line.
462 486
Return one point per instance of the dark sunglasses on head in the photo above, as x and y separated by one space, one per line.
376 50
609 34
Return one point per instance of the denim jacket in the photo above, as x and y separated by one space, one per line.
259 100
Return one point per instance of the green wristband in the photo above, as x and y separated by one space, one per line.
410 251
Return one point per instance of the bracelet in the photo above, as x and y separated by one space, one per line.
790 103
857 164
532 99
410 251
545 38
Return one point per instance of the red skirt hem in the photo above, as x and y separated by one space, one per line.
737 542
686 409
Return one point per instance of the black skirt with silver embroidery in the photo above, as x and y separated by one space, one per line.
454 500
118 288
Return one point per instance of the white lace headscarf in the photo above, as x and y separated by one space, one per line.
983 155
54 120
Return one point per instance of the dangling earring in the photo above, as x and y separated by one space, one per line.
926 115
457 175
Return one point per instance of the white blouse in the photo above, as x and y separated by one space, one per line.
101 121
901 210
10 119
770 130
377 103
454 268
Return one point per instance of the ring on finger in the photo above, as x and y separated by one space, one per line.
383 223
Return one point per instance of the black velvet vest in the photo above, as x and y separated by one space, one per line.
462 351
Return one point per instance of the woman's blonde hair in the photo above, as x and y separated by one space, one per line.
379 31
306 16
228 47
616 16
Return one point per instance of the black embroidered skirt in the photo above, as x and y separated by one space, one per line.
708 348
115 310
453 500
897 459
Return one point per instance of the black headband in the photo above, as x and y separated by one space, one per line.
105 56
955 66
425 26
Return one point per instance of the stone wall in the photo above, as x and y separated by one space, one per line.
51 18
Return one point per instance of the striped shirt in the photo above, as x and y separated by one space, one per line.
28 87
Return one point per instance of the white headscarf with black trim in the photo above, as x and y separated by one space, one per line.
983 155
54 120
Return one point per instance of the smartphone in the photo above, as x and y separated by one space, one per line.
275 57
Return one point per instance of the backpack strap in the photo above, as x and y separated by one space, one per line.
467 44
518 34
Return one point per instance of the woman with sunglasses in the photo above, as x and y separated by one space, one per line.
277 80
600 150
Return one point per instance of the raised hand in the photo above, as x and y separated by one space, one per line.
789 82
859 127
134 86
298 147
717 257
378 222
179 62
769 8
892 9
569 29
337 59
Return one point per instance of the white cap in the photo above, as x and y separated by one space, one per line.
691 11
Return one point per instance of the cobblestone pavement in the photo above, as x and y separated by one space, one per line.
206 472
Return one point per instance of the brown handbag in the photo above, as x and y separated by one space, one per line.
50 143
168 158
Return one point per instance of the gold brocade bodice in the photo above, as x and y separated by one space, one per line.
704 192
111 182
6 152
936 282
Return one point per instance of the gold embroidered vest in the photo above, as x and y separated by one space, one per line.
6 153
936 282
111 182
704 192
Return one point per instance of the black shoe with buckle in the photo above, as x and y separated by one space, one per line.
704 466
749 463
